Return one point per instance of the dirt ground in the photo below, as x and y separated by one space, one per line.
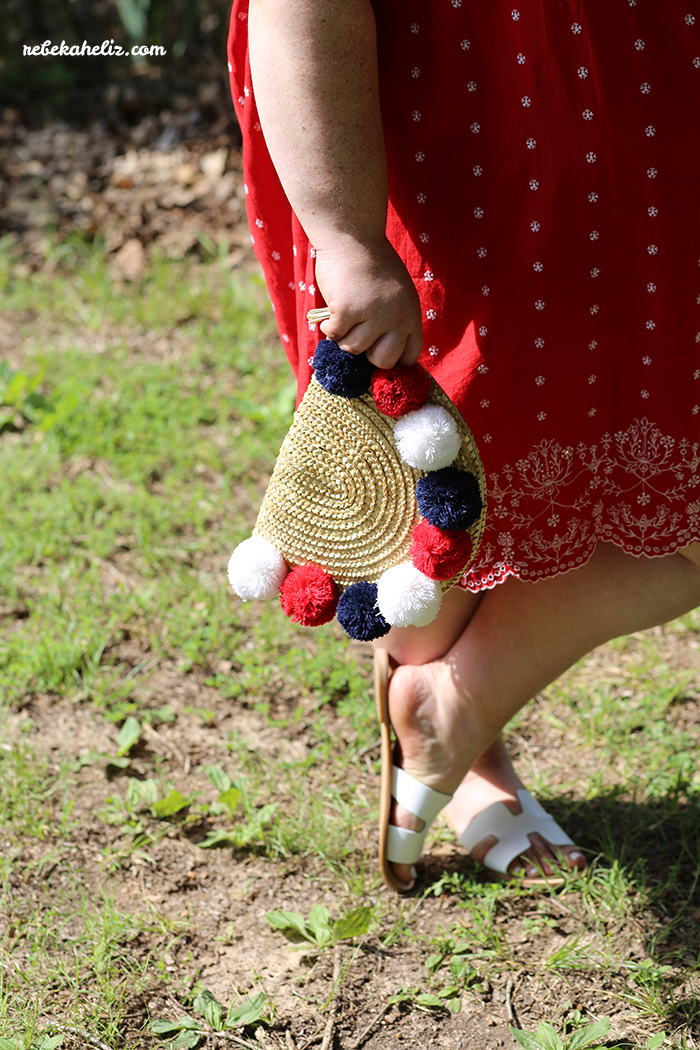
218 898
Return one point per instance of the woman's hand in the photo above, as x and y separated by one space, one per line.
374 305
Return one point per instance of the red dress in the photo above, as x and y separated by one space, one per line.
544 165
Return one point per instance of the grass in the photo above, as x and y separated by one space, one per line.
134 449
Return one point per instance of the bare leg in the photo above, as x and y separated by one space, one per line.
519 639
492 777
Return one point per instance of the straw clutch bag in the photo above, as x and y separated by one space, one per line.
376 504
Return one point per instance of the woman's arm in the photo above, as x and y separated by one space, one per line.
314 67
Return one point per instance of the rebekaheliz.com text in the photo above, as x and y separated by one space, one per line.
107 47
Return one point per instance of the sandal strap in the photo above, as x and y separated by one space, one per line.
404 846
512 831
419 799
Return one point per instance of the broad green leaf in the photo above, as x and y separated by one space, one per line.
168 1027
186 1039
528 1040
119 763
290 923
460 966
47 1042
15 388
219 778
400 997
207 1004
172 803
427 999
592 1033
10 1044
432 963
230 799
455 1005
218 838
547 1037
214 1013
139 792
128 735
319 924
246 1011
655 1041
462 947
354 924
448 992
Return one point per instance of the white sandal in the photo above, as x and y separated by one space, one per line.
512 831
399 845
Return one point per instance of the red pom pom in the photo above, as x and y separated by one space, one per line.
309 595
439 553
400 389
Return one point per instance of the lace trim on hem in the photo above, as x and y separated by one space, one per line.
500 572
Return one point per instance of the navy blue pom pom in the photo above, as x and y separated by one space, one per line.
449 498
341 373
358 614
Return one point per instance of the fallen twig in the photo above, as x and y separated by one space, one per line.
370 1027
289 1040
310 1042
512 1017
92 1039
330 1024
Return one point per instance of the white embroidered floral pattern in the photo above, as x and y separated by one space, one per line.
633 468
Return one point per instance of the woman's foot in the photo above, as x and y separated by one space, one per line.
432 728
437 742
493 779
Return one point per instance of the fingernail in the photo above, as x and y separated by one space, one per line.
414 873
531 871
575 855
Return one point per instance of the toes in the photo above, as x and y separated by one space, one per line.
543 859
575 859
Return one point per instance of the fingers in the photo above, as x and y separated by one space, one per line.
385 351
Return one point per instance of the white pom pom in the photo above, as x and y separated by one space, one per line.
407 598
427 439
256 569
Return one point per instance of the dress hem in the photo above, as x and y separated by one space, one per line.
501 571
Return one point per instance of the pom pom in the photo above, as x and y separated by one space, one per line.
449 498
428 438
358 614
400 389
309 595
256 569
407 598
341 373
440 553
